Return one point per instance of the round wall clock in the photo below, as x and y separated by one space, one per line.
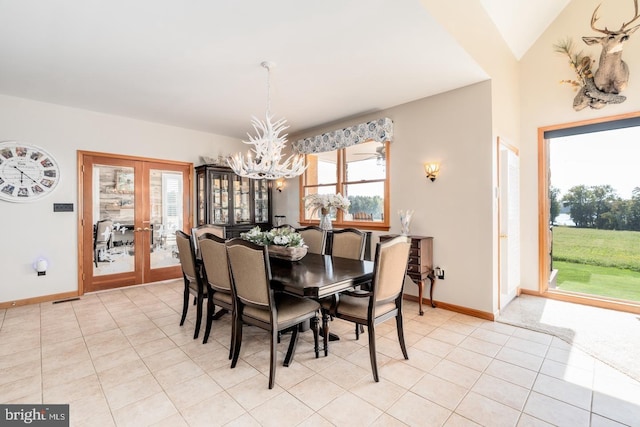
27 172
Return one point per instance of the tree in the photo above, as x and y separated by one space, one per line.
554 203
579 199
602 197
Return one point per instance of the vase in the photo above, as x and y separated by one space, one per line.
325 219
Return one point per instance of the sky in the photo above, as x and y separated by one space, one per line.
600 158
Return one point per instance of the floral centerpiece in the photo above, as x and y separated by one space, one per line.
324 203
282 242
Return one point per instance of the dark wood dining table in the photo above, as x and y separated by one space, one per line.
319 276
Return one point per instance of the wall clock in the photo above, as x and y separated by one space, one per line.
27 172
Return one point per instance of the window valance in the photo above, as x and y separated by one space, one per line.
376 130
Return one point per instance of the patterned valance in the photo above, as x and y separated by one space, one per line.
380 130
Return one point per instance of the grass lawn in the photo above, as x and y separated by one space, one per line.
593 280
598 262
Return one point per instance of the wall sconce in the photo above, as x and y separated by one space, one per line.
431 170
40 266
279 185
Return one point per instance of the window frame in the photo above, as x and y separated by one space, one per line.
340 185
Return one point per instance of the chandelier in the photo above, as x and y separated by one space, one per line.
265 163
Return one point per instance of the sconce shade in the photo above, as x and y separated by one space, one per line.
431 170
279 185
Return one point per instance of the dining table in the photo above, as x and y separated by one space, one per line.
319 276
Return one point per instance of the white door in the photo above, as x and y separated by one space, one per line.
509 223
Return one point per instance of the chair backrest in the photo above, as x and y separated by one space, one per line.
187 255
196 232
213 252
250 273
315 238
103 231
290 227
348 243
390 268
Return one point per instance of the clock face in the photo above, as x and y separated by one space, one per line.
27 172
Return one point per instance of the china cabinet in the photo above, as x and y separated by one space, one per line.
226 199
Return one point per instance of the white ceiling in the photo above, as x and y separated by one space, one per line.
196 64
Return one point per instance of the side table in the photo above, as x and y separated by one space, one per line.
420 265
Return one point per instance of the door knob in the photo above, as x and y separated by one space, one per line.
146 229
138 229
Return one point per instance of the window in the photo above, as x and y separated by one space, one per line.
359 173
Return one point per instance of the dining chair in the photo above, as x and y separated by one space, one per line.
314 237
215 275
101 238
258 305
348 243
196 232
192 278
384 300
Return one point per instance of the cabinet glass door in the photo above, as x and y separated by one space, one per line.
261 200
219 199
241 202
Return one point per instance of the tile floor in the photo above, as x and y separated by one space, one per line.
120 358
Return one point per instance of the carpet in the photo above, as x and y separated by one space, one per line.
612 337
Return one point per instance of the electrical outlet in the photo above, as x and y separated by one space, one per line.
439 272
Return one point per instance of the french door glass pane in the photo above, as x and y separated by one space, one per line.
113 216
165 191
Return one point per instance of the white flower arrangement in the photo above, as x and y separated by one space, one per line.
326 201
283 236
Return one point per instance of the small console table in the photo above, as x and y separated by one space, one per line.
420 265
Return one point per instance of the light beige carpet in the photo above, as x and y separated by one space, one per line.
610 336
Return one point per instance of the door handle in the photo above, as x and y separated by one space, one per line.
504 236
138 230
146 229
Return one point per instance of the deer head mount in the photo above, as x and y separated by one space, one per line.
603 86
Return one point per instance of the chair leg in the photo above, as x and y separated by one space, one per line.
292 346
372 350
185 303
401 335
359 330
211 308
325 331
237 340
314 326
272 359
198 316
232 344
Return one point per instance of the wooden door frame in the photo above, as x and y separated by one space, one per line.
544 272
82 204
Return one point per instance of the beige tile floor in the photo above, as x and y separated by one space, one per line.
120 358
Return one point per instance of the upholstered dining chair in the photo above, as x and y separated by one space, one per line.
258 305
196 232
384 300
215 275
192 278
314 237
348 243
101 238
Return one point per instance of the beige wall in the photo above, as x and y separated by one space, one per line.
33 230
546 102
456 209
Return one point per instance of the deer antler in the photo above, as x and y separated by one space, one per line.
594 18
636 16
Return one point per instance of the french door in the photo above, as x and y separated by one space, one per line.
130 209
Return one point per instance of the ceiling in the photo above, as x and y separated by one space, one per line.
196 64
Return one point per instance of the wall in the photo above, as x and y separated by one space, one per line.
456 209
547 102
33 230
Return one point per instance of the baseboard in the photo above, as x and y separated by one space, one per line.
38 300
455 308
